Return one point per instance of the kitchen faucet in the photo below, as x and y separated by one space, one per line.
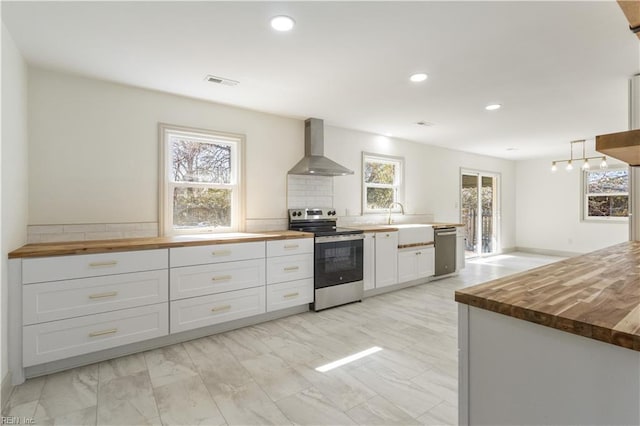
390 207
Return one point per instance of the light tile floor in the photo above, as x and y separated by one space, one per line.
265 374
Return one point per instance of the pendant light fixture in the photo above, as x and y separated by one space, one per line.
584 159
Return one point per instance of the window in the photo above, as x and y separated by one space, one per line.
382 181
606 194
200 184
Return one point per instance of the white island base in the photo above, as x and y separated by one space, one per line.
514 372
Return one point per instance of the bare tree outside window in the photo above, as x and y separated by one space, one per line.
200 182
201 162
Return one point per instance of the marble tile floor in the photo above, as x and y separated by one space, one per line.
265 374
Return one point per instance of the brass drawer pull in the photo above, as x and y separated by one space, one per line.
221 253
291 246
101 295
291 268
221 278
290 295
103 332
103 264
221 308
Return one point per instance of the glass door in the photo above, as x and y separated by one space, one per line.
479 212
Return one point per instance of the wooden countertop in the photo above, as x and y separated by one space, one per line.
596 295
129 244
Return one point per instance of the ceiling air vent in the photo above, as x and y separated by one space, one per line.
221 80
424 123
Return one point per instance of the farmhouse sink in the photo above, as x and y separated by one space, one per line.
413 233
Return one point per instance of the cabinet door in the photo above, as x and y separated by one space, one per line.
369 254
426 259
386 259
407 265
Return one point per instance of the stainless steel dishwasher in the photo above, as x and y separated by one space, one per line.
445 245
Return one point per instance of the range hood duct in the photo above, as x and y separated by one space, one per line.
314 162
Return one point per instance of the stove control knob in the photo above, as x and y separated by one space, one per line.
332 212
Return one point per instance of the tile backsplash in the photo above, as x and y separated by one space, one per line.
90 231
309 191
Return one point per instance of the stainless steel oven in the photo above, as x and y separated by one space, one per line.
338 254
338 270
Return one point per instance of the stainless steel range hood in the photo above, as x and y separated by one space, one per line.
314 162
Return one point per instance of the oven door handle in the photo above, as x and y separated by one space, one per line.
338 238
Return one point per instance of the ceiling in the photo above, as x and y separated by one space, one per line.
560 69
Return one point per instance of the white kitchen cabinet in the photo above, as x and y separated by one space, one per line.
196 312
460 245
74 305
51 341
201 280
288 294
54 268
50 301
369 261
386 259
415 263
289 273
215 253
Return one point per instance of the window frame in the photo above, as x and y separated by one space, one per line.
167 185
397 186
585 198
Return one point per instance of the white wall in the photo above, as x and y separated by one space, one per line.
13 166
548 209
432 176
94 149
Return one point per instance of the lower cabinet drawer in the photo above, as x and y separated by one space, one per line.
289 268
66 338
191 281
187 314
292 293
73 298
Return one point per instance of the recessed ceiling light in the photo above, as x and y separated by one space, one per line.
417 78
282 23
493 107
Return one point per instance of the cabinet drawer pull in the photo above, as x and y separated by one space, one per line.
291 246
221 308
103 264
221 253
101 295
418 253
103 332
290 295
291 268
221 278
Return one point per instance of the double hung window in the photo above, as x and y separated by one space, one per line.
382 181
200 187
606 194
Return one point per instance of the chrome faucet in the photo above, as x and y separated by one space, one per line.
390 207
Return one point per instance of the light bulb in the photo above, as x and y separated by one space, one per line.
603 163
569 166
554 168
585 165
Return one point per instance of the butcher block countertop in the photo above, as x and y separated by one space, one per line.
596 295
129 244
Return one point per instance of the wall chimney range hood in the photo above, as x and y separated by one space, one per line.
314 162
624 146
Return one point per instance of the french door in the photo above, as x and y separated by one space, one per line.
479 212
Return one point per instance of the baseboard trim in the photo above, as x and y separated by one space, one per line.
5 388
547 252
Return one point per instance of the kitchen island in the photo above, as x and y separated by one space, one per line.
559 344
